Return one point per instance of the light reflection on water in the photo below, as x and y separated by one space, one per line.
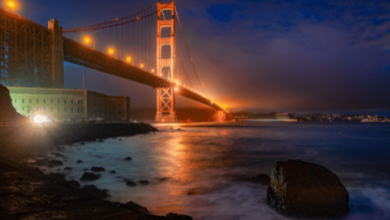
208 168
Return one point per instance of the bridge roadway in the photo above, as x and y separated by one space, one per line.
83 55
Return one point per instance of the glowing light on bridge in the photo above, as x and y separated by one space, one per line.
176 89
11 5
142 65
128 59
87 40
152 70
111 51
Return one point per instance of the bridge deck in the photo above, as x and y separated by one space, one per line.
83 55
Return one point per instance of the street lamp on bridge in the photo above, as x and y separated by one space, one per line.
87 40
11 5
111 51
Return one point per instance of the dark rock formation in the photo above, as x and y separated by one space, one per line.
197 191
58 155
113 171
73 133
130 183
128 158
302 189
95 192
163 179
54 163
79 161
143 182
68 168
85 169
262 178
73 184
136 208
56 177
7 111
174 216
42 162
98 169
90 176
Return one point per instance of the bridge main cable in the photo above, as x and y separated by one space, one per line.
109 22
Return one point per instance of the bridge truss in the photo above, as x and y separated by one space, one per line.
25 52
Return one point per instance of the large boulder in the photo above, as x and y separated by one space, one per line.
303 189
95 192
90 176
7 111
136 208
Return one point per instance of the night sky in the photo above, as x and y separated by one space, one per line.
257 55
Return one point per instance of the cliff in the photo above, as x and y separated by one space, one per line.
7 111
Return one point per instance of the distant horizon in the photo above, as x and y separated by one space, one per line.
384 113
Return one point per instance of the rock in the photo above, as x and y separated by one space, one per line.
42 162
98 169
54 163
20 178
174 216
79 161
7 111
73 184
90 176
163 179
58 155
95 192
85 169
100 140
143 182
58 169
82 143
136 208
128 158
120 139
197 191
113 171
130 183
262 178
56 177
68 168
302 189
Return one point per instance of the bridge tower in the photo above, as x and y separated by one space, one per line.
165 64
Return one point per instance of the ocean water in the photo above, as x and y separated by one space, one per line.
204 170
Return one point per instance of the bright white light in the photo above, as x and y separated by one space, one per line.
40 119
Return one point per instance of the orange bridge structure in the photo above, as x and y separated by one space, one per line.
142 47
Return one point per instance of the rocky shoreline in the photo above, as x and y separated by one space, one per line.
26 193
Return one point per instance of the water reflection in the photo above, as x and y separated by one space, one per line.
205 172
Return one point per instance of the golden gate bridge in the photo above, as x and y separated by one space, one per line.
142 47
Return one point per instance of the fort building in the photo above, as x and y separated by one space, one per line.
69 104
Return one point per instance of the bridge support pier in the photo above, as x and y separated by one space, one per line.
165 63
57 55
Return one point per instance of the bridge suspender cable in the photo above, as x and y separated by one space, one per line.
188 50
